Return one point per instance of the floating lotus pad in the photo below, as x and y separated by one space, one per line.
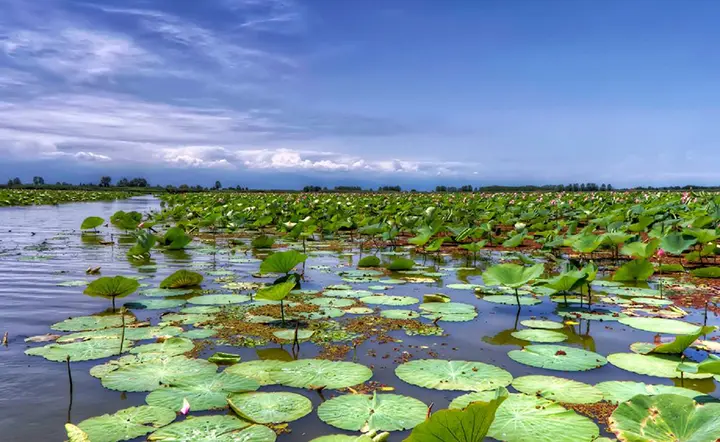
126 424
270 408
440 374
85 323
522 418
260 371
557 357
155 304
201 309
665 418
347 293
207 391
198 333
389 300
621 391
131 333
214 429
289 335
169 347
166 292
151 374
307 373
359 310
449 311
511 300
81 351
539 323
660 325
539 335
661 366
463 286
558 389
218 299
186 319
592 315
652 301
400 314
332 302
381 412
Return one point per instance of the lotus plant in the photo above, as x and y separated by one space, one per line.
511 276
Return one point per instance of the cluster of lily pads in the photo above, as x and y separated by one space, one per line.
595 259
28 197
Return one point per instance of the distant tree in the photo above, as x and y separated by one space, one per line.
603 187
560 188
218 185
38 180
105 181
184 187
16 181
440 188
10 182
138 182
609 187
123 182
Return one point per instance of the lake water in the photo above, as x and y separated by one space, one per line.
41 246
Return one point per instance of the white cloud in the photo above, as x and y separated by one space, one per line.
90 156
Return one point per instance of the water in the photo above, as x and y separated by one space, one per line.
41 246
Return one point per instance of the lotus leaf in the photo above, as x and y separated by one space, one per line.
181 279
380 412
218 299
453 375
276 292
389 300
400 314
222 358
213 429
369 261
435 297
511 300
158 292
676 243
706 272
662 366
131 334
635 270
665 418
151 374
270 408
289 335
175 239
449 311
401 264
534 335
260 371
348 293
91 222
557 357
169 347
307 373
621 391
75 434
511 275
126 424
332 302
84 323
282 262
81 351
558 389
155 304
660 325
207 391
540 323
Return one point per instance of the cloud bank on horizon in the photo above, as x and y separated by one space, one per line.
282 93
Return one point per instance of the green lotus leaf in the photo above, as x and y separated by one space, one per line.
276 292
679 344
622 391
218 299
115 287
369 261
463 286
289 335
75 283
198 333
222 358
332 302
566 281
535 335
144 243
635 270
262 242
213 429
184 319
154 372
347 293
260 371
379 412
389 300
175 239
126 220
126 424
270 408
81 351
91 222
346 438
706 272
84 323
155 304
511 300
641 250
448 311
158 292
558 389
541 323
282 262
401 264
131 334
181 279
435 297
662 366
591 315
711 365
75 434
169 347
676 243
207 391
359 311
660 325
665 418
511 275
652 301
400 314
523 418
557 357
440 374
307 373
468 425
203 309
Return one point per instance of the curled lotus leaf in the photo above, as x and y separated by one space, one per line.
665 418
204 392
126 424
558 357
270 408
381 412
213 429
282 262
307 373
85 323
81 351
539 335
440 374
558 389
181 279
621 391
112 287
152 373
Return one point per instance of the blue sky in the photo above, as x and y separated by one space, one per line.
283 93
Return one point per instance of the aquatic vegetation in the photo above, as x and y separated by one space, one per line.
376 412
116 287
28 197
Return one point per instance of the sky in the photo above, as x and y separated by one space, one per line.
286 93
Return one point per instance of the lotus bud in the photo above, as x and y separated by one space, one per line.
660 253
185 407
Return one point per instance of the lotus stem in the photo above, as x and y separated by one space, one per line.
122 334
517 297
67 361
282 312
